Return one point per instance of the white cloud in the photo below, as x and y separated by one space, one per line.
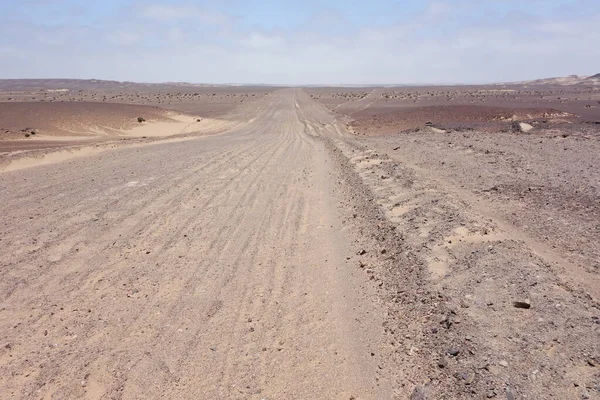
164 12
124 38
431 47
437 8
261 41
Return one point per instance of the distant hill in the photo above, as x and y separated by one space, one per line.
565 81
94 84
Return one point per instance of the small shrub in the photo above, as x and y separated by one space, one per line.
27 135
140 120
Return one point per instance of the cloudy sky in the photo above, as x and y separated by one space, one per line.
301 41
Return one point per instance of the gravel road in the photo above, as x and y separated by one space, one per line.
208 268
285 258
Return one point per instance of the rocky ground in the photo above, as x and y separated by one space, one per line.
487 242
292 256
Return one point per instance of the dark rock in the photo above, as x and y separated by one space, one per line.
526 304
591 362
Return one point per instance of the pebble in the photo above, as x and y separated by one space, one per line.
522 304
469 378
442 362
509 394
418 394
591 362
503 363
453 352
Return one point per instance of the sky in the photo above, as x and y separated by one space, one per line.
300 42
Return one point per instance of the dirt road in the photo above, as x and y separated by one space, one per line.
285 258
209 268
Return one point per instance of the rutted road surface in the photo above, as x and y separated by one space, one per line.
208 268
284 258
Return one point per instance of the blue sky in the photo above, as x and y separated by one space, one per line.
300 42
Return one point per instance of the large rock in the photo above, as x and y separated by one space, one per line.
522 127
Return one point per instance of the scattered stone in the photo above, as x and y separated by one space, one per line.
585 395
526 304
437 130
469 378
442 362
491 394
509 394
503 363
591 362
453 351
525 127
419 393
521 127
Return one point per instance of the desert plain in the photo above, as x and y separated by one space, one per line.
253 242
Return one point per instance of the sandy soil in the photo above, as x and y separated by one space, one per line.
37 119
67 113
200 100
288 257
29 123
